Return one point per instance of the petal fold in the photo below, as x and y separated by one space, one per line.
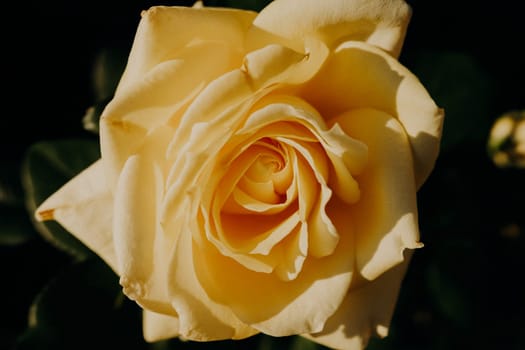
157 326
200 318
385 218
142 247
358 75
284 307
376 22
164 30
366 311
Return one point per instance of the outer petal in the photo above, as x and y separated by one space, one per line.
167 67
141 246
381 23
84 206
163 31
385 218
366 311
361 76
159 326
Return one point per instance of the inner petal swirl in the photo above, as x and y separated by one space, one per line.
268 210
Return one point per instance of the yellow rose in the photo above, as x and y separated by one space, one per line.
259 171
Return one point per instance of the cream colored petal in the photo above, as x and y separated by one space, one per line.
322 233
314 194
276 63
212 113
142 247
309 177
205 127
157 326
163 31
230 200
377 22
361 76
301 305
213 117
84 207
255 234
200 318
347 155
385 218
159 98
366 311
168 65
249 236
343 151
294 253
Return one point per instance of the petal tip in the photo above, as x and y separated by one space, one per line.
45 215
381 331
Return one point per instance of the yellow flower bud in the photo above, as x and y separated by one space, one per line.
506 144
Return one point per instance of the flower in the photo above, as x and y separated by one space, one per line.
506 142
259 171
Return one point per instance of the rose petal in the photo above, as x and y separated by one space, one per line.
262 70
212 110
142 247
219 110
84 207
309 167
231 200
385 218
254 234
377 22
366 311
361 76
200 318
159 98
167 66
322 233
163 31
294 252
348 155
157 326
301 305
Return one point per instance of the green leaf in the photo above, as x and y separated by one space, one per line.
48 166
458 84
11 192
75 293
15 224
82 308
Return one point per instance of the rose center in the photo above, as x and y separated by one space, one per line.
267 178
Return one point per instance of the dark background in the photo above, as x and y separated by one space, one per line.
462 291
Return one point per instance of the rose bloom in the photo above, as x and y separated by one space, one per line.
259 171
